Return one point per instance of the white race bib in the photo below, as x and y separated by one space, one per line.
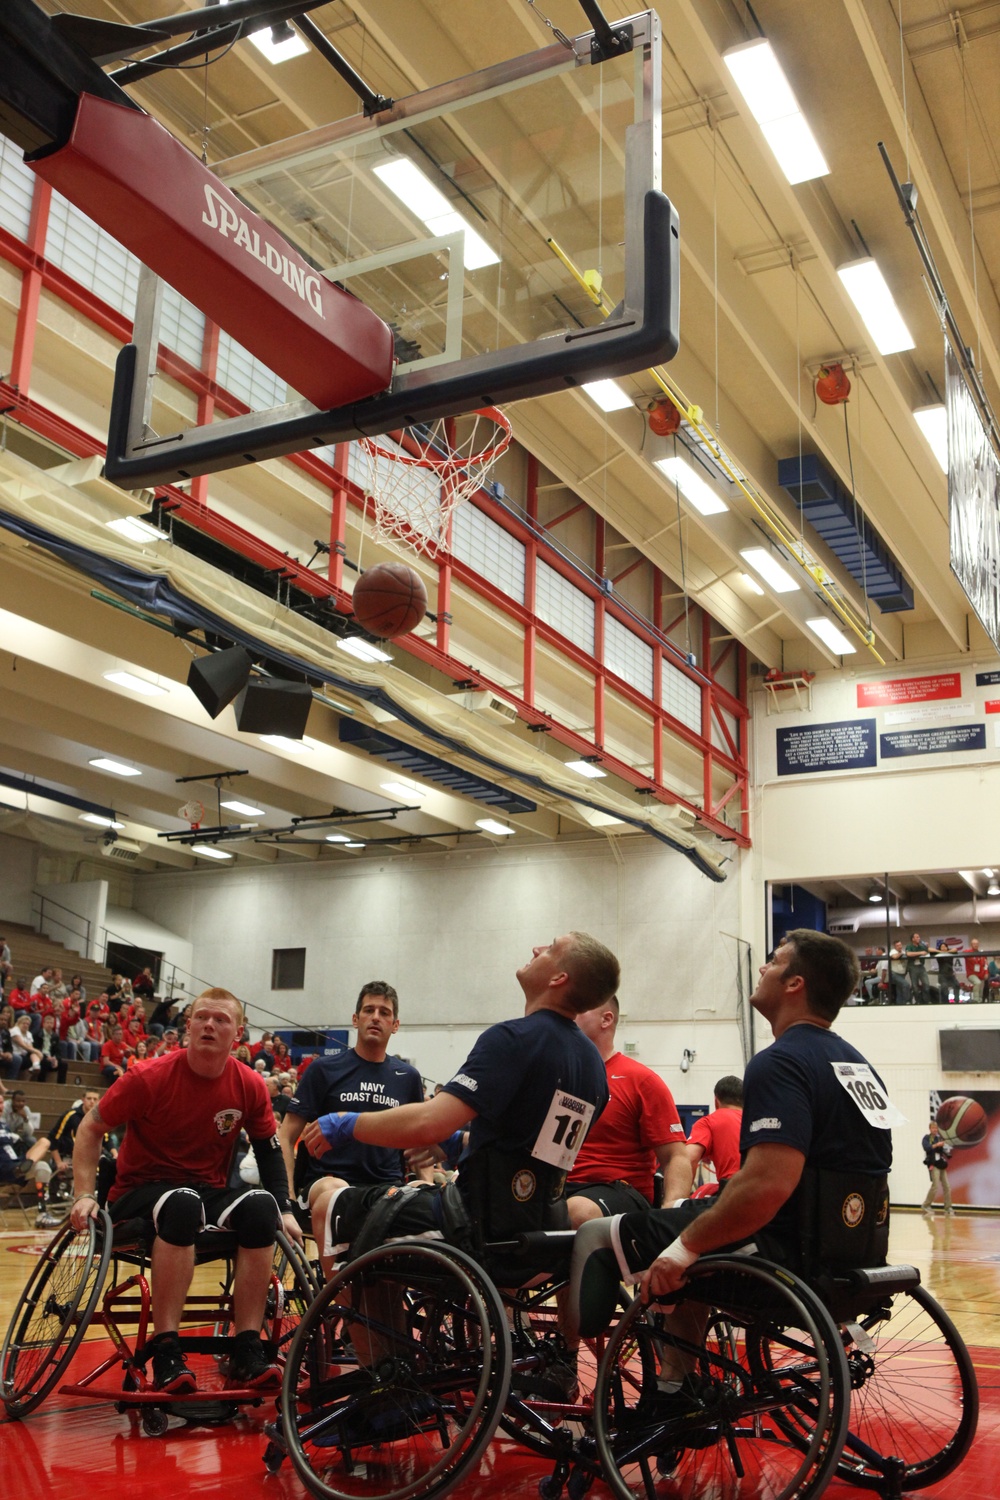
868 1094
563 1131
9 1151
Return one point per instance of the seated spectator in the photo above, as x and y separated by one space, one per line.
169 1042
975 969
138 1054
161 1016
40 984
134 1031
280 1100
143 985
113 993
75 1045
113 1055
26 1054
303 1064
16 1120
264 1048
10 1064
63 1137
76 983
638 1132
99 1010
242 1054
870 978
282 1058
715 1138
20 996
22 1166
126 993
58 990
48 1046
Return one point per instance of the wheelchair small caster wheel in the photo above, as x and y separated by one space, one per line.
154 1422
550 1488
579 1484
274 1457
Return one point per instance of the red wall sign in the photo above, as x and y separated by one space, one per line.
133 179
909 690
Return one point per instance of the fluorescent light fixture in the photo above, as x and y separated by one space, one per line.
401 789
769 568
933 423
209 851
832 636
281 49
402 177
691 485
760 78
751 584
338 838
355 646
607 394
490 825
137 531
244 808
585 768
141 685
100 822
116 767
869 291
353 844
282 742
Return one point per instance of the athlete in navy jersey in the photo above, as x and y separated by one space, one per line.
362 1077
808 1100
350 1081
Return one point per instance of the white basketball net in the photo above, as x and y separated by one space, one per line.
416 484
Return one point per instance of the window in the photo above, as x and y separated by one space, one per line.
490 550
288 969
244 376
567 609
17 188
681 696
627 656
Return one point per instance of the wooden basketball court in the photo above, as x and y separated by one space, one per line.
69 1442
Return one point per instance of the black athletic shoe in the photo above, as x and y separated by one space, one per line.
383 1417
556 1380
170 1371
252 1364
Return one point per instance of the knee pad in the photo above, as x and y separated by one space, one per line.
253 1219
594 1280
178 1217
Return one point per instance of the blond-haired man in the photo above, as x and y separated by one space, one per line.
184 1112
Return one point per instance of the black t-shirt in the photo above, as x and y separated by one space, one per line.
349 1082
510 1079
792 1097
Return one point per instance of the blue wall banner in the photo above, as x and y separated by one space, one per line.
945 740
845 746
987 679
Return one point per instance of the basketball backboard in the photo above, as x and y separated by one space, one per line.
508 226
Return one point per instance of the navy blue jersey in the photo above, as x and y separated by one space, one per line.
792 1097
513 1072
349 1082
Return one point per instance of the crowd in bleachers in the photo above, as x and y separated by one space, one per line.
944 971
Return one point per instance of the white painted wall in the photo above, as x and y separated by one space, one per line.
18 865
127 926
68 907
450 929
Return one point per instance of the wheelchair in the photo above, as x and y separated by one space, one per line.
758 1382
412 1357
65 1300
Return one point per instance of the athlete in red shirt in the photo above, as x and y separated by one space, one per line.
638 1131
716 1137
184 1112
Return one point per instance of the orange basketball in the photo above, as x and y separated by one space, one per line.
389 599
962 1121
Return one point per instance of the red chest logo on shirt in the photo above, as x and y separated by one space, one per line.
227 1120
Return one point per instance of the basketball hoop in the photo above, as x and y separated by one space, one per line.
415 483
193 813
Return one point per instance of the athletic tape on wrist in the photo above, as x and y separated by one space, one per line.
679 1253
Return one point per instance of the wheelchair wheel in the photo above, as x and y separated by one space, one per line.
52 1314
914 1398
741 1391
396 1376
292 1288
550 1428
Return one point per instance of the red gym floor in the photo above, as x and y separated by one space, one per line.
70 1443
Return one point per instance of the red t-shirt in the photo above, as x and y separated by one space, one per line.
19 999
181 1127
640 1114
718 1134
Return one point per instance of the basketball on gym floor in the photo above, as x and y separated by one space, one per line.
389 599
961 1121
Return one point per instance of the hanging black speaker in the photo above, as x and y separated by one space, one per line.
215 680
269 705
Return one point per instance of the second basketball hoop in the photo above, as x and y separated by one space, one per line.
417 477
